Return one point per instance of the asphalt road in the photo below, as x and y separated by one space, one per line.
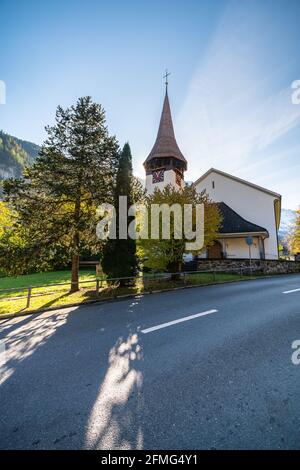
101 377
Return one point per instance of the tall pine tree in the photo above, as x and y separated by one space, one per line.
119 256
56 200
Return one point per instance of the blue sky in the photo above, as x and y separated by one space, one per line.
232 64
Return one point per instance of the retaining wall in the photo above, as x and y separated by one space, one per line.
266 266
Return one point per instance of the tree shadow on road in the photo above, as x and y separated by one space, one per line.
71 380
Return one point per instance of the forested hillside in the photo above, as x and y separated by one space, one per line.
288 218
14 155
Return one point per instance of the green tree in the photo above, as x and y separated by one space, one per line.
294 241
6 218
11 242
162 254
57 197
119 256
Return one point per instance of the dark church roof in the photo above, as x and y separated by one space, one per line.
165 144
234 223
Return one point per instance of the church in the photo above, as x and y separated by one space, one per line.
250 213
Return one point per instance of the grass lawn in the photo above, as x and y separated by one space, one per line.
55 296
39 279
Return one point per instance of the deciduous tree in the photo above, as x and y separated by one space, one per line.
161 254
295 235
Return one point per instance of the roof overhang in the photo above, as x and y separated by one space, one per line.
264 234
277 210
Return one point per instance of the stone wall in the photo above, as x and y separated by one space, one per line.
264 266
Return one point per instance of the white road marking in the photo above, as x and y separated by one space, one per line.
290 291
180 320
2 353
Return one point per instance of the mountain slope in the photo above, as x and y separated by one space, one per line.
15 154
288 218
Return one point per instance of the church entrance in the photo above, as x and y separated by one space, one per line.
215 251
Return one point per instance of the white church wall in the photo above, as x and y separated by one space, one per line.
252 204
169 178
238 248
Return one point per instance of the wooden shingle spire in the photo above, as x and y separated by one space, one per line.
165 144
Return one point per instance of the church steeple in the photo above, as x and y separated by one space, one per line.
165 155
165 144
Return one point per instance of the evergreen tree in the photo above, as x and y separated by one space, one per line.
56 200
119 256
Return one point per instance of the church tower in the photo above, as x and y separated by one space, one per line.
165 163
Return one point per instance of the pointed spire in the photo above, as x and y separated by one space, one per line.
165 144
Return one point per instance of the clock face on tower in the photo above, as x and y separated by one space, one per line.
158 176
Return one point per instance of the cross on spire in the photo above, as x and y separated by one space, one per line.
166 77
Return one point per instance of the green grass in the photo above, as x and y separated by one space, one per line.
37 279
57 296
21 283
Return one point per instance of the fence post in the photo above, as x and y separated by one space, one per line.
151 282
214 275
97 286
28 297
115 295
